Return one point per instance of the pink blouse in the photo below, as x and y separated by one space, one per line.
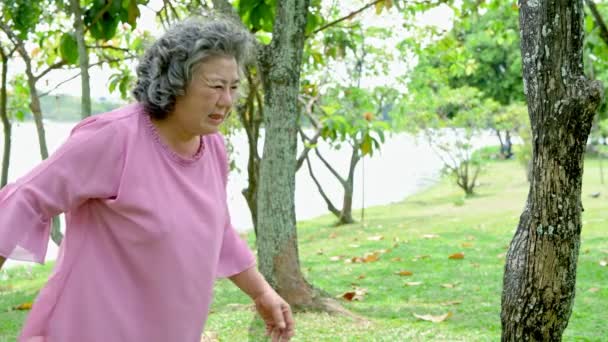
148 231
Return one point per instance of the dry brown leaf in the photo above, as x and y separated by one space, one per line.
451 302
430 236
376 238
448 285
594 289
362 276
371 257
413 283
603 263
467 244
24 306
397 259
456 256
350 296
404 273
434 319
333 235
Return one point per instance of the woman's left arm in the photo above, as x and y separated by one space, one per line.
273 309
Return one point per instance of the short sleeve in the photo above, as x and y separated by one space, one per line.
235 255
87 166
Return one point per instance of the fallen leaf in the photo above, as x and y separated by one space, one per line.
413 283
371 257
350 296
24 306
336 258
594 289
451 302
397 259
362 276
467 245
333 235
456 256
376 238
404 273
603 263
434 319
448 286
430 236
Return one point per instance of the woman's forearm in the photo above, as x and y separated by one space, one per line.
251 282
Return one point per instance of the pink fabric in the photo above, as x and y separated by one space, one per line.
148 231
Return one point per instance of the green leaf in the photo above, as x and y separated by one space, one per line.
366 145
134 13
68 48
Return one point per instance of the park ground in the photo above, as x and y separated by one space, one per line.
434 256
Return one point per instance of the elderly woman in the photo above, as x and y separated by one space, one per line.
144 189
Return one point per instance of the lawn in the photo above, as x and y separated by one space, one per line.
416 236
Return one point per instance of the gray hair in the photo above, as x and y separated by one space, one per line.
165 70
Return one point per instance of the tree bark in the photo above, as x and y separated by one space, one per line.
83 57
540 272
6 123
280 64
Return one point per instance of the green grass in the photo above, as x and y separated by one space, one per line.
481 227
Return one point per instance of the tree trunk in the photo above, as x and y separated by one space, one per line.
83 57
56 235
251 119
5 121
346 215
280 64
540 272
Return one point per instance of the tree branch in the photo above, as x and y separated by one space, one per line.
59 85
348 16
599 21
331 169
310 141
330 205
49 69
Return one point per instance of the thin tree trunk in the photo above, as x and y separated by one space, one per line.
56 234
277 237
6 123
346 215
83 56
540 272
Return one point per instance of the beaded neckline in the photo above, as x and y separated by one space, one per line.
172 154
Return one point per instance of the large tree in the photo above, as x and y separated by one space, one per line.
540 272
280 63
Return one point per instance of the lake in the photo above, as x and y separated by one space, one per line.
402 167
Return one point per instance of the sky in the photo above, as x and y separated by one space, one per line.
440 17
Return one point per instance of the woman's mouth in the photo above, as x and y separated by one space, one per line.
216 117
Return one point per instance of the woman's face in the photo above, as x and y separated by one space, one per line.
209 96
